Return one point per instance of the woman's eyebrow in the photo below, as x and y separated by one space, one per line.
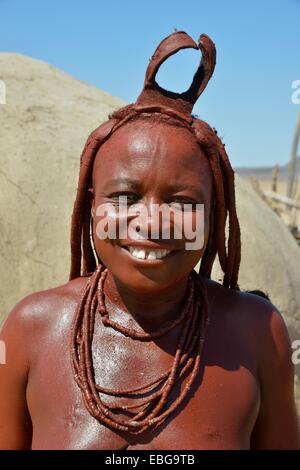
117 182
174 188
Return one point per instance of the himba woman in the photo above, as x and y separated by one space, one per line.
138 350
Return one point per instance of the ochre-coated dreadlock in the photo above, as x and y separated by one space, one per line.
155 104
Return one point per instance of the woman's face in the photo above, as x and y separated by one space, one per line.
143 177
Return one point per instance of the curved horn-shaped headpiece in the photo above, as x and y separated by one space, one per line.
152 94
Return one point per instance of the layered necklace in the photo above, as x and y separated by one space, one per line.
193 322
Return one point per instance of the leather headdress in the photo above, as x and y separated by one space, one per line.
182 103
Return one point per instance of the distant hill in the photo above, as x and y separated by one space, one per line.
265 172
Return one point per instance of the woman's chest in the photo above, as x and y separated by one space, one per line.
218 412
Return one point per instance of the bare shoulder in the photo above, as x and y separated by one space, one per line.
250 302
38 314
37 306
252 317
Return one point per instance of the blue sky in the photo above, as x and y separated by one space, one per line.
108 44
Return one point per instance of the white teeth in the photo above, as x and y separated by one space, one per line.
153 255
141 254
147 254
137 253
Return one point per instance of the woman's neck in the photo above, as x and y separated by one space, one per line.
149 310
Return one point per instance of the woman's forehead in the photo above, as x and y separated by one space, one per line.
151 147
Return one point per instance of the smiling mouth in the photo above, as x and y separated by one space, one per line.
147 254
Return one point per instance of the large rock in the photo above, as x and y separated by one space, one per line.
44 125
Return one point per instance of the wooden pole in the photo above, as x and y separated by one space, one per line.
274 178
295 212
293 161
283 199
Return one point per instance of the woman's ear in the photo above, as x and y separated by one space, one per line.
92 198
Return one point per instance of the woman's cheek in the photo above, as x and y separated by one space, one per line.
194 228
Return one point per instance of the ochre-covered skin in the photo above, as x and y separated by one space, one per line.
246 376
242 397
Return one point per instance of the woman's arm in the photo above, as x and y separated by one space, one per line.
15 422
277 424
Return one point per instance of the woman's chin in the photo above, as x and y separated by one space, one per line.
149 276
146 283
143 284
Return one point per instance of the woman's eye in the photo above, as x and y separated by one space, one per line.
124 198
182 203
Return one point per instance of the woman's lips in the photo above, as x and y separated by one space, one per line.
148 254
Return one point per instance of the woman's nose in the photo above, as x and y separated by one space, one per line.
147 218
153 220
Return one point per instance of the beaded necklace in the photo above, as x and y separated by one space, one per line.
193 319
